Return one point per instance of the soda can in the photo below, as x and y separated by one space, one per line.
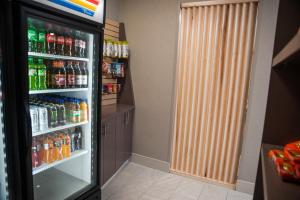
43 118
34 119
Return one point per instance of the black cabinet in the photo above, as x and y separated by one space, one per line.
108 144
116 140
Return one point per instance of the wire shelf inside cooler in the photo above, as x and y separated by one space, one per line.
51 56
58 90
44 167
59 128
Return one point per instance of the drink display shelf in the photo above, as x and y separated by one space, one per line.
44 167
48 91
52 56
58 128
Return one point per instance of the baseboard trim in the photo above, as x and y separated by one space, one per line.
117 172
206 180
245 187
150 162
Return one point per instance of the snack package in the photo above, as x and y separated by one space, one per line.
293 156
286 170
277 156
293 146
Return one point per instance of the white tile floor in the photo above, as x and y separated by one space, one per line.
136 182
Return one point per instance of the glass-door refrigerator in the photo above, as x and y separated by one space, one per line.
58 55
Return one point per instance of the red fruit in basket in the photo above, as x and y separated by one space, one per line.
293 156
286 170
277 156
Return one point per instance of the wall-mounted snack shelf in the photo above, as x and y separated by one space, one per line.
51 56
292 47
59 128
49 91
44 167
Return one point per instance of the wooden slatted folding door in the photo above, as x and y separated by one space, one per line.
215 50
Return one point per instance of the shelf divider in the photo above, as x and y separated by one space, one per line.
51 56
58 90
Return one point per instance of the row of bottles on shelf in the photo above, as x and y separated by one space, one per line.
113 70
52 111
55 40
56 74
115 49
111 88
56 146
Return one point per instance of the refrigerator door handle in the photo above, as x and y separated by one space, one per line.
27 128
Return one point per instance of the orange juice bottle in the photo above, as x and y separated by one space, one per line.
66 147
84 111
57 147
47 153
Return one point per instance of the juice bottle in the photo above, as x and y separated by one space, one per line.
32 36
66 145
46 151
57 147
61 112
32 74
42 72
51 149
77 111
34 154
83 111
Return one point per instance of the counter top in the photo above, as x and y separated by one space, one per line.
112 110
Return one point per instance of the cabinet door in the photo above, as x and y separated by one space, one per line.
109 145
120 140
128 133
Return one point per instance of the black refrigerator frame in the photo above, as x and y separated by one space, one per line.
20 170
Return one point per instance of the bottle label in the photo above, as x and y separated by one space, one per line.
42 72
78 79
84 79
46 146
41 37
50 38
71 79
32 72
60 40
60 80
32 35
77 43
68 41
82 44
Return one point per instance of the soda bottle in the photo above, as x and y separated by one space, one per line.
50 40
77 44
32 75
83 111
32 36
78 75
78 140
58 75
82 45
70 75
61 112
84 75
41 41
73 139
69 43
53 115
48 73
42 73
60 43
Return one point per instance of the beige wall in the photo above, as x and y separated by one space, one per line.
113 9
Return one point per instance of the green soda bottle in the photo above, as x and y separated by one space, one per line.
41 42
42 75
32 36
32 74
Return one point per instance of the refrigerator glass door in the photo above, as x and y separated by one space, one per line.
3 173
61 63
